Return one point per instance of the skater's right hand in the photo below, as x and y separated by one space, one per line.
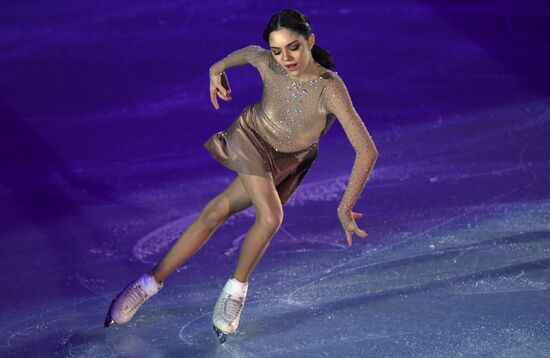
219 86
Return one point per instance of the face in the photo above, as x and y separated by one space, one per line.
291 48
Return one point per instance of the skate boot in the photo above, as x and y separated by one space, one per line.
228 308
127 302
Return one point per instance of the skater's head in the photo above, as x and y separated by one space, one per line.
292 41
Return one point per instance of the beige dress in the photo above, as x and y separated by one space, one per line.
278 136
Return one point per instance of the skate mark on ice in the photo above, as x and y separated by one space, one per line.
267 321
451 280
308 239
180 333
503 284
157 240
235 244
200 330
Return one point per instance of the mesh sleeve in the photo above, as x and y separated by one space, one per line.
252 54
338 102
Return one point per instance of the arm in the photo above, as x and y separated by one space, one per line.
219 84
251 54
338 102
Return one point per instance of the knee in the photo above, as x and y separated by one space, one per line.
271 220
215 213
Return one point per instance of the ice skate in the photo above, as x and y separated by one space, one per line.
228 308
127 302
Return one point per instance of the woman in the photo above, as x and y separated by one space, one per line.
271 146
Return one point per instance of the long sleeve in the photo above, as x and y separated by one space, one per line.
338 102
252 54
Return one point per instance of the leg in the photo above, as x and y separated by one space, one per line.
269 217
232 200
128 301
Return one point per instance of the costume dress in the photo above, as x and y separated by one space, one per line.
278 136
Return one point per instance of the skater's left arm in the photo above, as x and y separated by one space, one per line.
338 102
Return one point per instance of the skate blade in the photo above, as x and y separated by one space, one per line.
220 334
108 319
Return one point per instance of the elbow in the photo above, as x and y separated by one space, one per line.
374 152
373 155
367 158
372 148
366 147
367 152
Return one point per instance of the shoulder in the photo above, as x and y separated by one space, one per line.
330 75
255 48
257 54
335 85
335 96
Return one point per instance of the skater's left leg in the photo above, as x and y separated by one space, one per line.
269 217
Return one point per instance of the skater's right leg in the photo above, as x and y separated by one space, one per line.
231 201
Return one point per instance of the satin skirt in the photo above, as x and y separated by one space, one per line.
242 149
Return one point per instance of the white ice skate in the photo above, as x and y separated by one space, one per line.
228 308
127 302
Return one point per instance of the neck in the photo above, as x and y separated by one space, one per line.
312 71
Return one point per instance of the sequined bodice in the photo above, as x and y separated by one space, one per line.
293 114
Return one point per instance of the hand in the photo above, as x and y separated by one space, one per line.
219 86
350 226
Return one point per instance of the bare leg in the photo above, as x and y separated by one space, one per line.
232 200
269 217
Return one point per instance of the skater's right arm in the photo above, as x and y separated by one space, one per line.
219 84
252 54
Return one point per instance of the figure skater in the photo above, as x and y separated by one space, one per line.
271 146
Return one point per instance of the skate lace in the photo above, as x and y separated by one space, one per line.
133 298
232 307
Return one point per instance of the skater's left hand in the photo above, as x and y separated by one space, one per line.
350 226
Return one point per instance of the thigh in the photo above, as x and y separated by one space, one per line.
235 198
263 194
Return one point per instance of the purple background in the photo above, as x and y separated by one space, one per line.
104 108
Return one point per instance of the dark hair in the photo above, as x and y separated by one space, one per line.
298 22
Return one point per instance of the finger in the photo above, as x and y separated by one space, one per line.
215 83
348 237
225 84
361 233
223 94
228 97
217 86
214 99
222 90
225 98
356 215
